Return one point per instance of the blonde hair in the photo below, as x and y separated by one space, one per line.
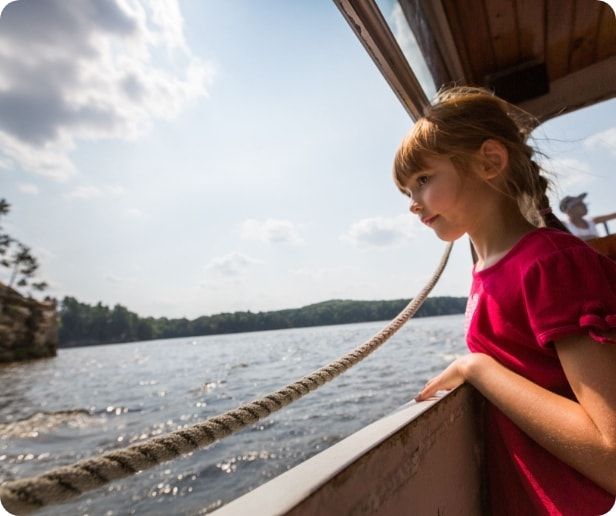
456 125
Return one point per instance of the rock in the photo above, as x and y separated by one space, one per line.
28 328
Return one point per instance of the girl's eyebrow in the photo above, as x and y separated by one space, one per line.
418 172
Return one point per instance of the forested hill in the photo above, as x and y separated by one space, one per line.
84 325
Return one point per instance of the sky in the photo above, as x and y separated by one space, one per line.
195 157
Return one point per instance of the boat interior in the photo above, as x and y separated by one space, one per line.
549 57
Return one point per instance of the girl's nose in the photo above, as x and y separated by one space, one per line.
415 208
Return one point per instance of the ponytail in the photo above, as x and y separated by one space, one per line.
543 203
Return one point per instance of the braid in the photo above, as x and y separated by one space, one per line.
543 203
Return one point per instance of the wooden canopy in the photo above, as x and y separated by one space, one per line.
547 56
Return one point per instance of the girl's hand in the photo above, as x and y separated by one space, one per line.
455 374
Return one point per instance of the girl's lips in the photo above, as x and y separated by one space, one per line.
428 220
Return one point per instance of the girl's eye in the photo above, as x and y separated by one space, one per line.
422 180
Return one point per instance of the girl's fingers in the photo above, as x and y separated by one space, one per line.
450 378
423 396
427 392
431 388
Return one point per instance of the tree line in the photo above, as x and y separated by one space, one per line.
82 324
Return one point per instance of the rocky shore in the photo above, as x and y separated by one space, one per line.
28 328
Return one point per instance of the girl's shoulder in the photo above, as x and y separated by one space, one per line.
533 246
551 250
567 287
544 241
546 245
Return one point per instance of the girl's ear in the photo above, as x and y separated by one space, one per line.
494 158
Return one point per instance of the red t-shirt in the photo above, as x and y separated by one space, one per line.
549 285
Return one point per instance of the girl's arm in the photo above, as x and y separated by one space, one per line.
583 435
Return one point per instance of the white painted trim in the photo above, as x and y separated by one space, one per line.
281 494
372 30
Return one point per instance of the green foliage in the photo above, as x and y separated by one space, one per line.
82 324
18 258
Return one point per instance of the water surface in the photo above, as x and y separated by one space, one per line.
90 400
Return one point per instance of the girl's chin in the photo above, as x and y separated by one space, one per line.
448 236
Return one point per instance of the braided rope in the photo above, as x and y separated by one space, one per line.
67 482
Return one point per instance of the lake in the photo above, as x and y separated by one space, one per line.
90 400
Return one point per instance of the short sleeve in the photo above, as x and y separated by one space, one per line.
571 291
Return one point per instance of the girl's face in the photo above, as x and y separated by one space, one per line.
446 200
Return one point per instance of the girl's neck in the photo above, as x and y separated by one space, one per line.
500 229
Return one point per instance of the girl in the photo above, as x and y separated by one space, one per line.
541 315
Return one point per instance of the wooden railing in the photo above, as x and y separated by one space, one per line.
605 245
603 219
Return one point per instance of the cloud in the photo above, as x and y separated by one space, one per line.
273 231
89 70
135 212
28 188
84 192
324 273
93 192
5 164
569 172
114 278
380 231
605 139
44 254
230 266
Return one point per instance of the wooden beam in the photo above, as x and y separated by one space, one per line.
503 23
584 34
441 28
472 35
587 86
606 42
370 27
531 29
560 16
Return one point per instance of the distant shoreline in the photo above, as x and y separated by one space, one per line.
92 325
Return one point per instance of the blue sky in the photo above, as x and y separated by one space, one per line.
203 156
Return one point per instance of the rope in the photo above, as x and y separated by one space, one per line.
64 483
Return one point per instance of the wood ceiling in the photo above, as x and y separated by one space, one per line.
567 35
573 42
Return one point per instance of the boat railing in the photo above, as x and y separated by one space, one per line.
605 245
424 458
604 219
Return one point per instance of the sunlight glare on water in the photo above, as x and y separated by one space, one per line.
90 400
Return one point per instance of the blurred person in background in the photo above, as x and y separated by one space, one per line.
578 224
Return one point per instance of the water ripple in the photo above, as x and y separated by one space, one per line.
132 392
